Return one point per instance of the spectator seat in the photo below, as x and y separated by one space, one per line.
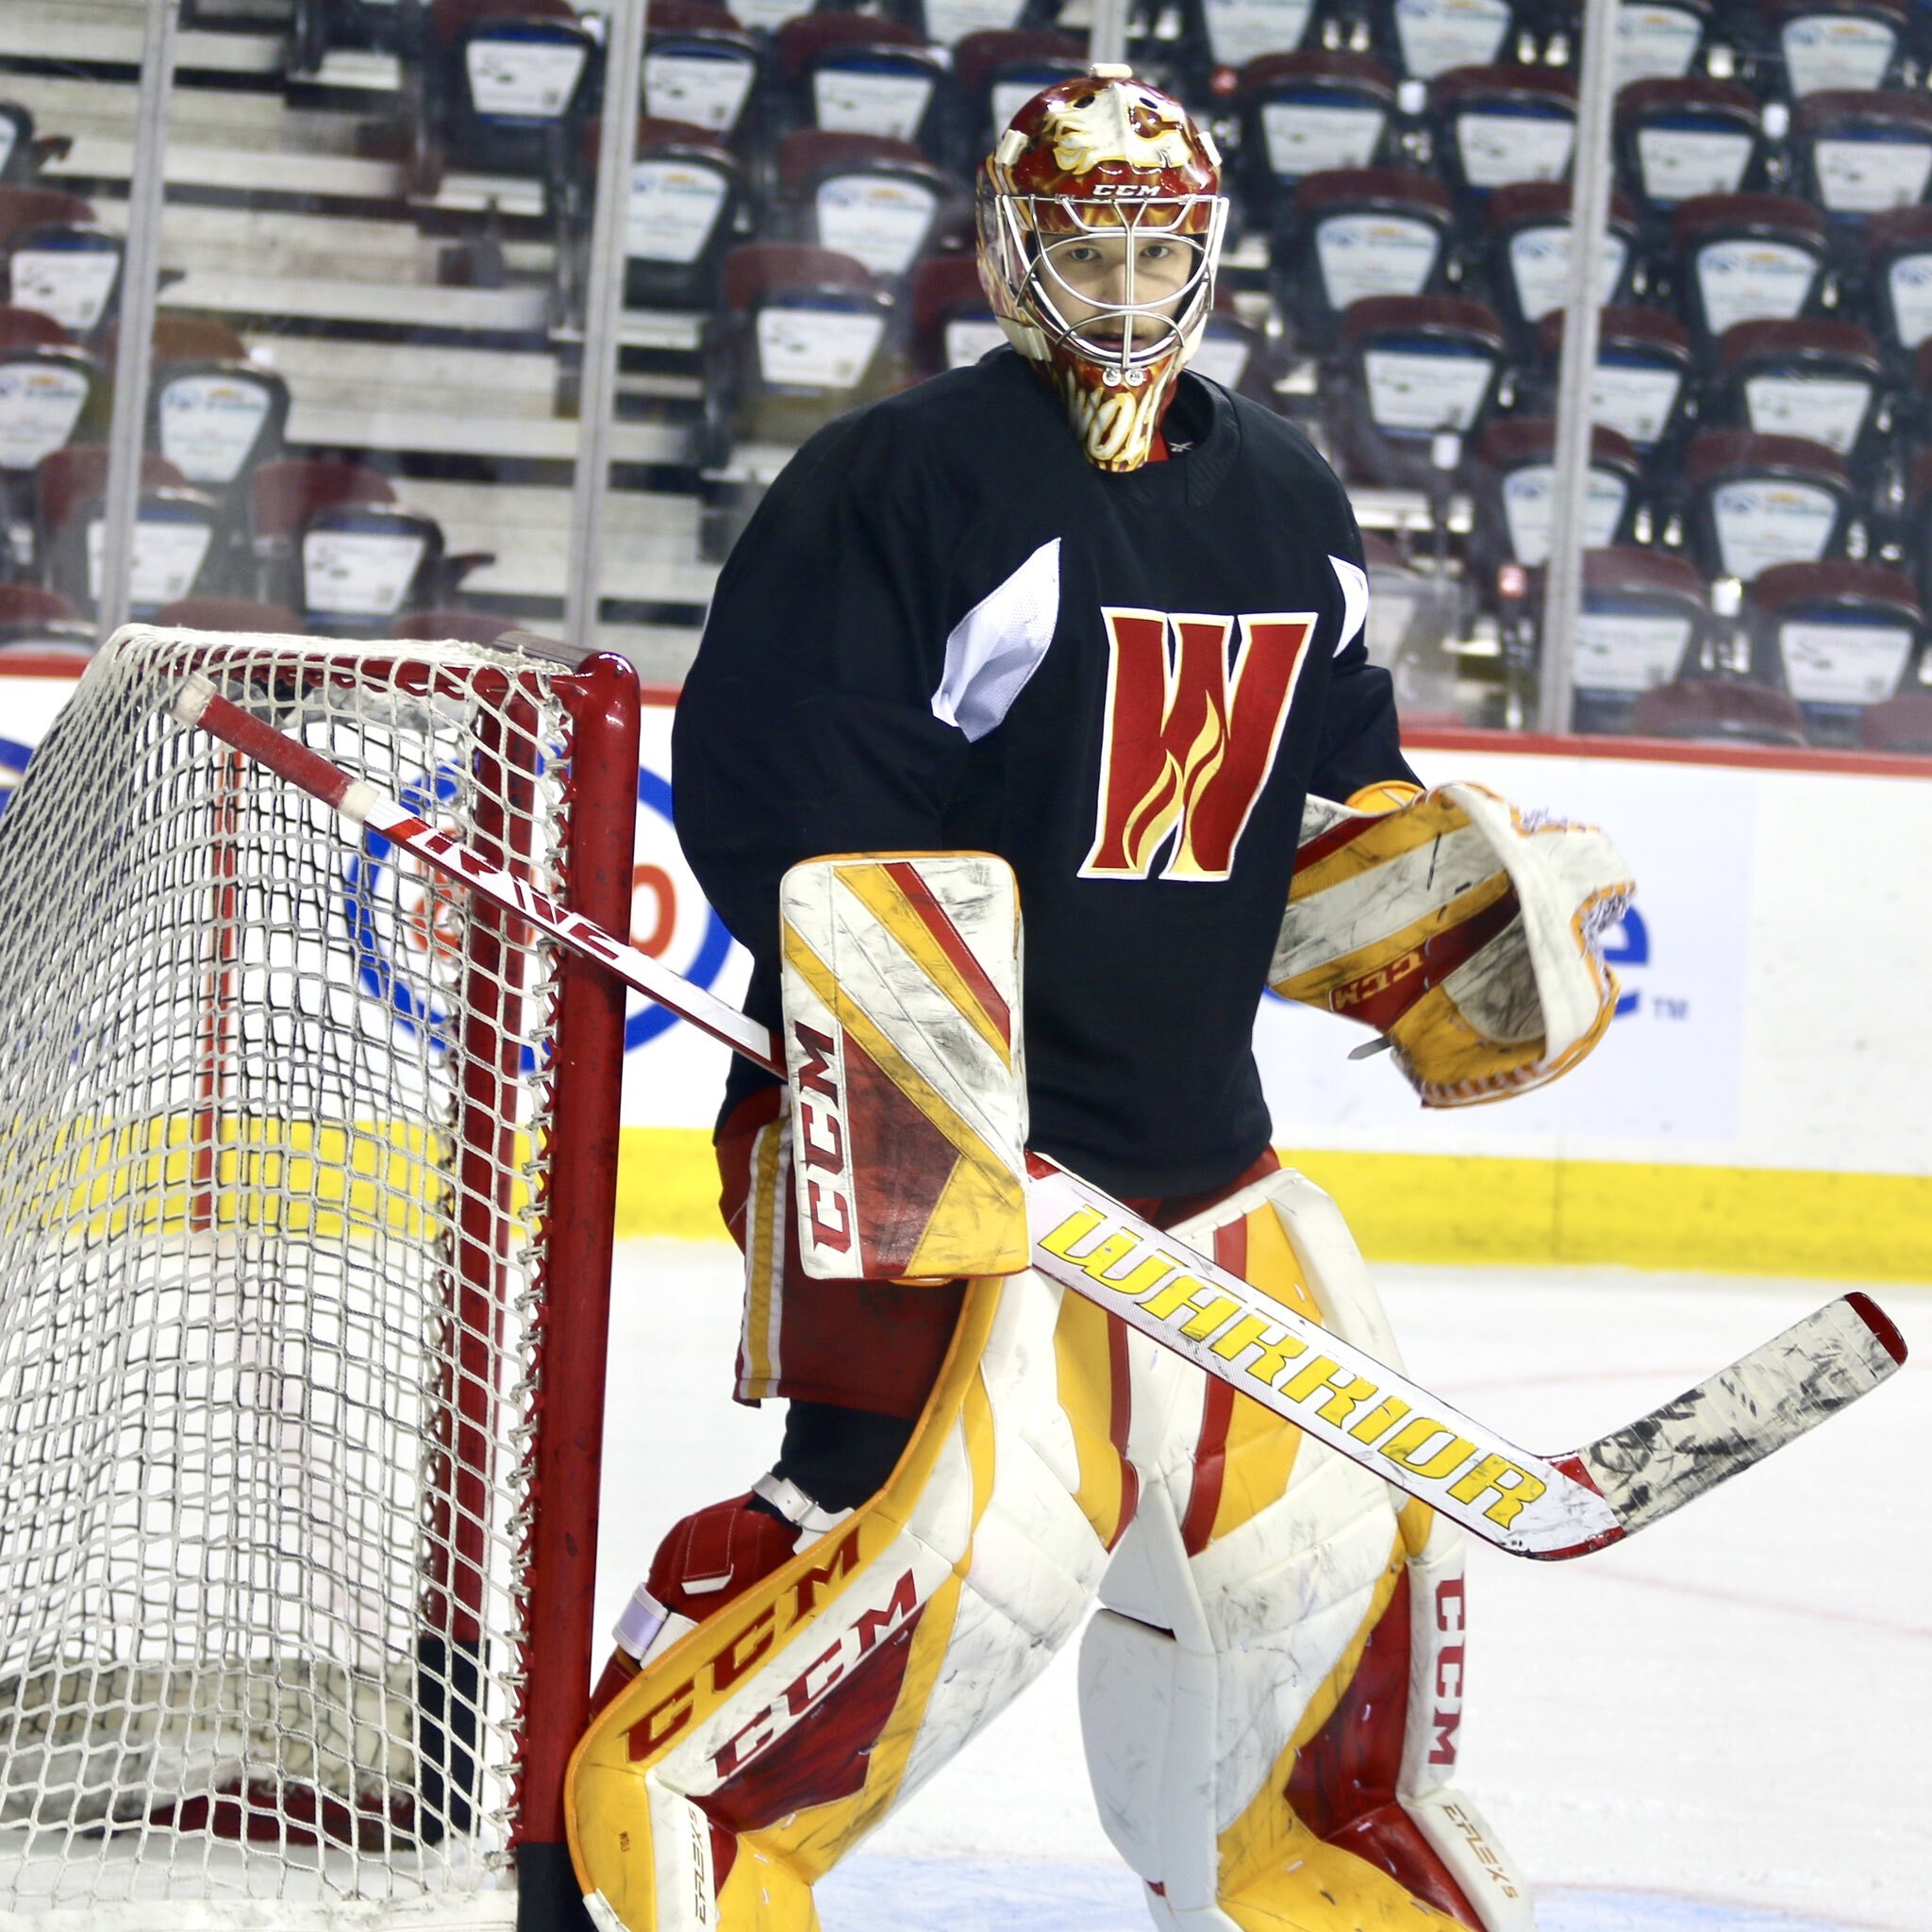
861 73
1643 376
1710 711
331 541
812 337
175 538
1414 368
231 615
701 67
1356 233
952 323
686 189
1746 257
1515 473
1838 637
866 195
1427 38
1308 113
52 393
23 153
37 622
1897 248
1643 623
1901 724
1677 140
1860 153
57 259
1529 252
1498 126
1819 46
466 627
1755 501
214 413
999 70
507 85
1820 379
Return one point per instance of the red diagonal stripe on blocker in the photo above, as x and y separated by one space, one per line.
935 919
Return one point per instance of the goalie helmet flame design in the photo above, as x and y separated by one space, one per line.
1100 223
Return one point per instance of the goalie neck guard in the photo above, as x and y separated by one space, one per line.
1100 221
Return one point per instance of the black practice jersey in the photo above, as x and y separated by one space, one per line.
944 629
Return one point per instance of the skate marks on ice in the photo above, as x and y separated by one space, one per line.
881 1894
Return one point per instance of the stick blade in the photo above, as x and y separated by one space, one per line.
1776 1394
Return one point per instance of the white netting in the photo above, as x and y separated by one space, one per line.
272 1121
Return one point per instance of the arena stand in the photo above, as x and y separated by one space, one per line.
377 241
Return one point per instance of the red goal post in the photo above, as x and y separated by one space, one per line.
306 1203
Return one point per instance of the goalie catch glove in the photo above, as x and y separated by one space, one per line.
1467 933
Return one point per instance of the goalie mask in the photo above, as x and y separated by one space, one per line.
1100 224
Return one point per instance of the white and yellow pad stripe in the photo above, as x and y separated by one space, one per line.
901 987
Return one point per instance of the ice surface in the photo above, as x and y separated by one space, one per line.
1716 1725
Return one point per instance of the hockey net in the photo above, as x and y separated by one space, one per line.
294 1583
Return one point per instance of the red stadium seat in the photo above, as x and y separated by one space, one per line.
952 323
952 23
1746 257
466 627
1428 39
1676 139
1514 478
1902 724
1757 501
1715 711
1643 376
1309 114
1898 278
212 412
1353 234
812 337
1000 70
52 392
866 195
23 153
230 614
1644 622
1499 125
1663 39
1820 45
57 259
858 73
1529 251
1862 152
175 542
700 67
1839 638
1413 369
1819 380
686 191
507 86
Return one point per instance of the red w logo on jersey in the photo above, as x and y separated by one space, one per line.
1190 741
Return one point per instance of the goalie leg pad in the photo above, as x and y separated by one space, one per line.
1264 1729
753 1750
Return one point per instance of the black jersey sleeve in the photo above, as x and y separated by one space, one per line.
1361 742
806 724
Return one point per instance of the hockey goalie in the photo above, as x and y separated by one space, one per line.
1068 641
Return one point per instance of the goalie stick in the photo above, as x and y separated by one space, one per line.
1564 1504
